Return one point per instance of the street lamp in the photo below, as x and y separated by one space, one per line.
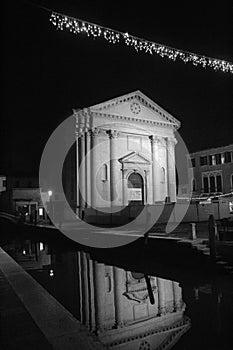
50 205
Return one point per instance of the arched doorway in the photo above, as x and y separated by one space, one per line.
135 189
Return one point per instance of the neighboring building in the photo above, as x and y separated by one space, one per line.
2 183
212 171
125 153
29 254
22 197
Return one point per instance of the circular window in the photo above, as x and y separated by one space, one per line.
135 108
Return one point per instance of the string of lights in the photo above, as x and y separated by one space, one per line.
78 26
208 197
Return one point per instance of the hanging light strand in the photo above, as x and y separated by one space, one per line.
206 197
78 26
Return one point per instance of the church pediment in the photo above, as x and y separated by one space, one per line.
136 106
134 158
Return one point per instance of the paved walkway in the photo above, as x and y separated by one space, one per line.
183 230
33 319
18 330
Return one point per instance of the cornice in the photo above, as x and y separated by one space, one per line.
133 119
177 327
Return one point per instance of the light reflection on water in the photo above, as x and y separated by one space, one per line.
129 309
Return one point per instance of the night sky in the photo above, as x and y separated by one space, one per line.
46 73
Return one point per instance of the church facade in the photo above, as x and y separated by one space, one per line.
125 154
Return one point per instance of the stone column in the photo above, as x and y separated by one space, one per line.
88 168
171 170
85 294
77 168
80 295
161 297
94 133
155 168
177 295
113 135
82 173
91 295
147 187
117 277
125 188
99 289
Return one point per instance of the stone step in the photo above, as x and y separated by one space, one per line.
206 253
201 247
221 262
229 268
186 242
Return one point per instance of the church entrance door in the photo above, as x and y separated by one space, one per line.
135 189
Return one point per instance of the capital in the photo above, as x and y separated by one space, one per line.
89 133
154 139
76 112
79 132
95 132
161 310
113 134
172 140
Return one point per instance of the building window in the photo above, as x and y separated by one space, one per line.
219 183
206 184
203 160
218 158
212 183
193 161
232 182
162 175
4 183
222 158
104 172
227 157
212 160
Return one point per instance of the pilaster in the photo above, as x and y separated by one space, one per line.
113 136
155 167
117 277
161 297
99 284
94 142
171 169
88 168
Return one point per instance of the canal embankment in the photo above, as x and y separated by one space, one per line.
31 318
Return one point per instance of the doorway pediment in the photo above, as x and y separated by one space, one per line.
135 158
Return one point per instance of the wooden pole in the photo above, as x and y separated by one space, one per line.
212 238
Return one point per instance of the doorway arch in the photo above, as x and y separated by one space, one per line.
135 186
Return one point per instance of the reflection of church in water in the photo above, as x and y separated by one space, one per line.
127 310
125 155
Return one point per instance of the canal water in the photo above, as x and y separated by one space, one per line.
129 301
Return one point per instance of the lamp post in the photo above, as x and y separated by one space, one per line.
50 193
